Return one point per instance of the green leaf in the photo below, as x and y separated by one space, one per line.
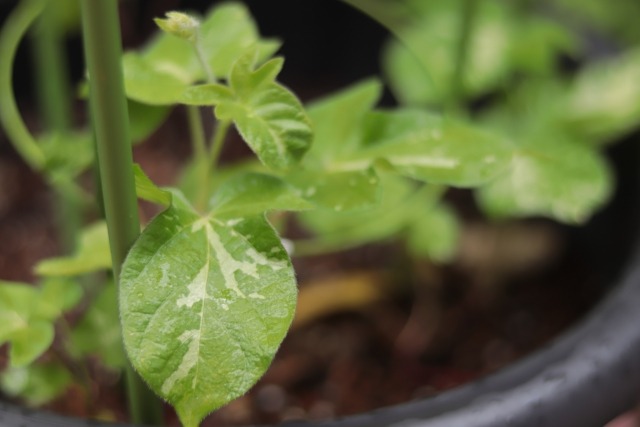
29 342
147 190
35 384
432 149
20 325
337 134
272 122
147 84
604 101
204 306
169 66
251 194
421 74
93 254
337 230
551 177
98 331
339 191
434 234
206 95
57 296
338 120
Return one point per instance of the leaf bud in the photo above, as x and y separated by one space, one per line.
180 25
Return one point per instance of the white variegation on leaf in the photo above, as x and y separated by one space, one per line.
431 148
205 302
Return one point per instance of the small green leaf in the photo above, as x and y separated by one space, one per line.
147 190
28 343
551 177
272 122
429 148
35 384
201 327
93 254
251 194
98 331
26 316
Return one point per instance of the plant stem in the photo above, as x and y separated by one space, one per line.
54 99
468 14
103 52
12 32
197 132
51 72
217 141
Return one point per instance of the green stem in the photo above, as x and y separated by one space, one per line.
211 78
197 132
54 100
467 20
217 142
51 72
103 52
12 32
219 136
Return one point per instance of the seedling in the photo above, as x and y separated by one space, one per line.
207 291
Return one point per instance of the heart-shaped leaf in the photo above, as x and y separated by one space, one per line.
201 328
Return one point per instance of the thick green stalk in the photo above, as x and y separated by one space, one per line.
12 32
468 14
103 52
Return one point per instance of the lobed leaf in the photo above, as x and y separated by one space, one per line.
201 328
272 122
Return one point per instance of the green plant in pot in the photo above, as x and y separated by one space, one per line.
203 296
